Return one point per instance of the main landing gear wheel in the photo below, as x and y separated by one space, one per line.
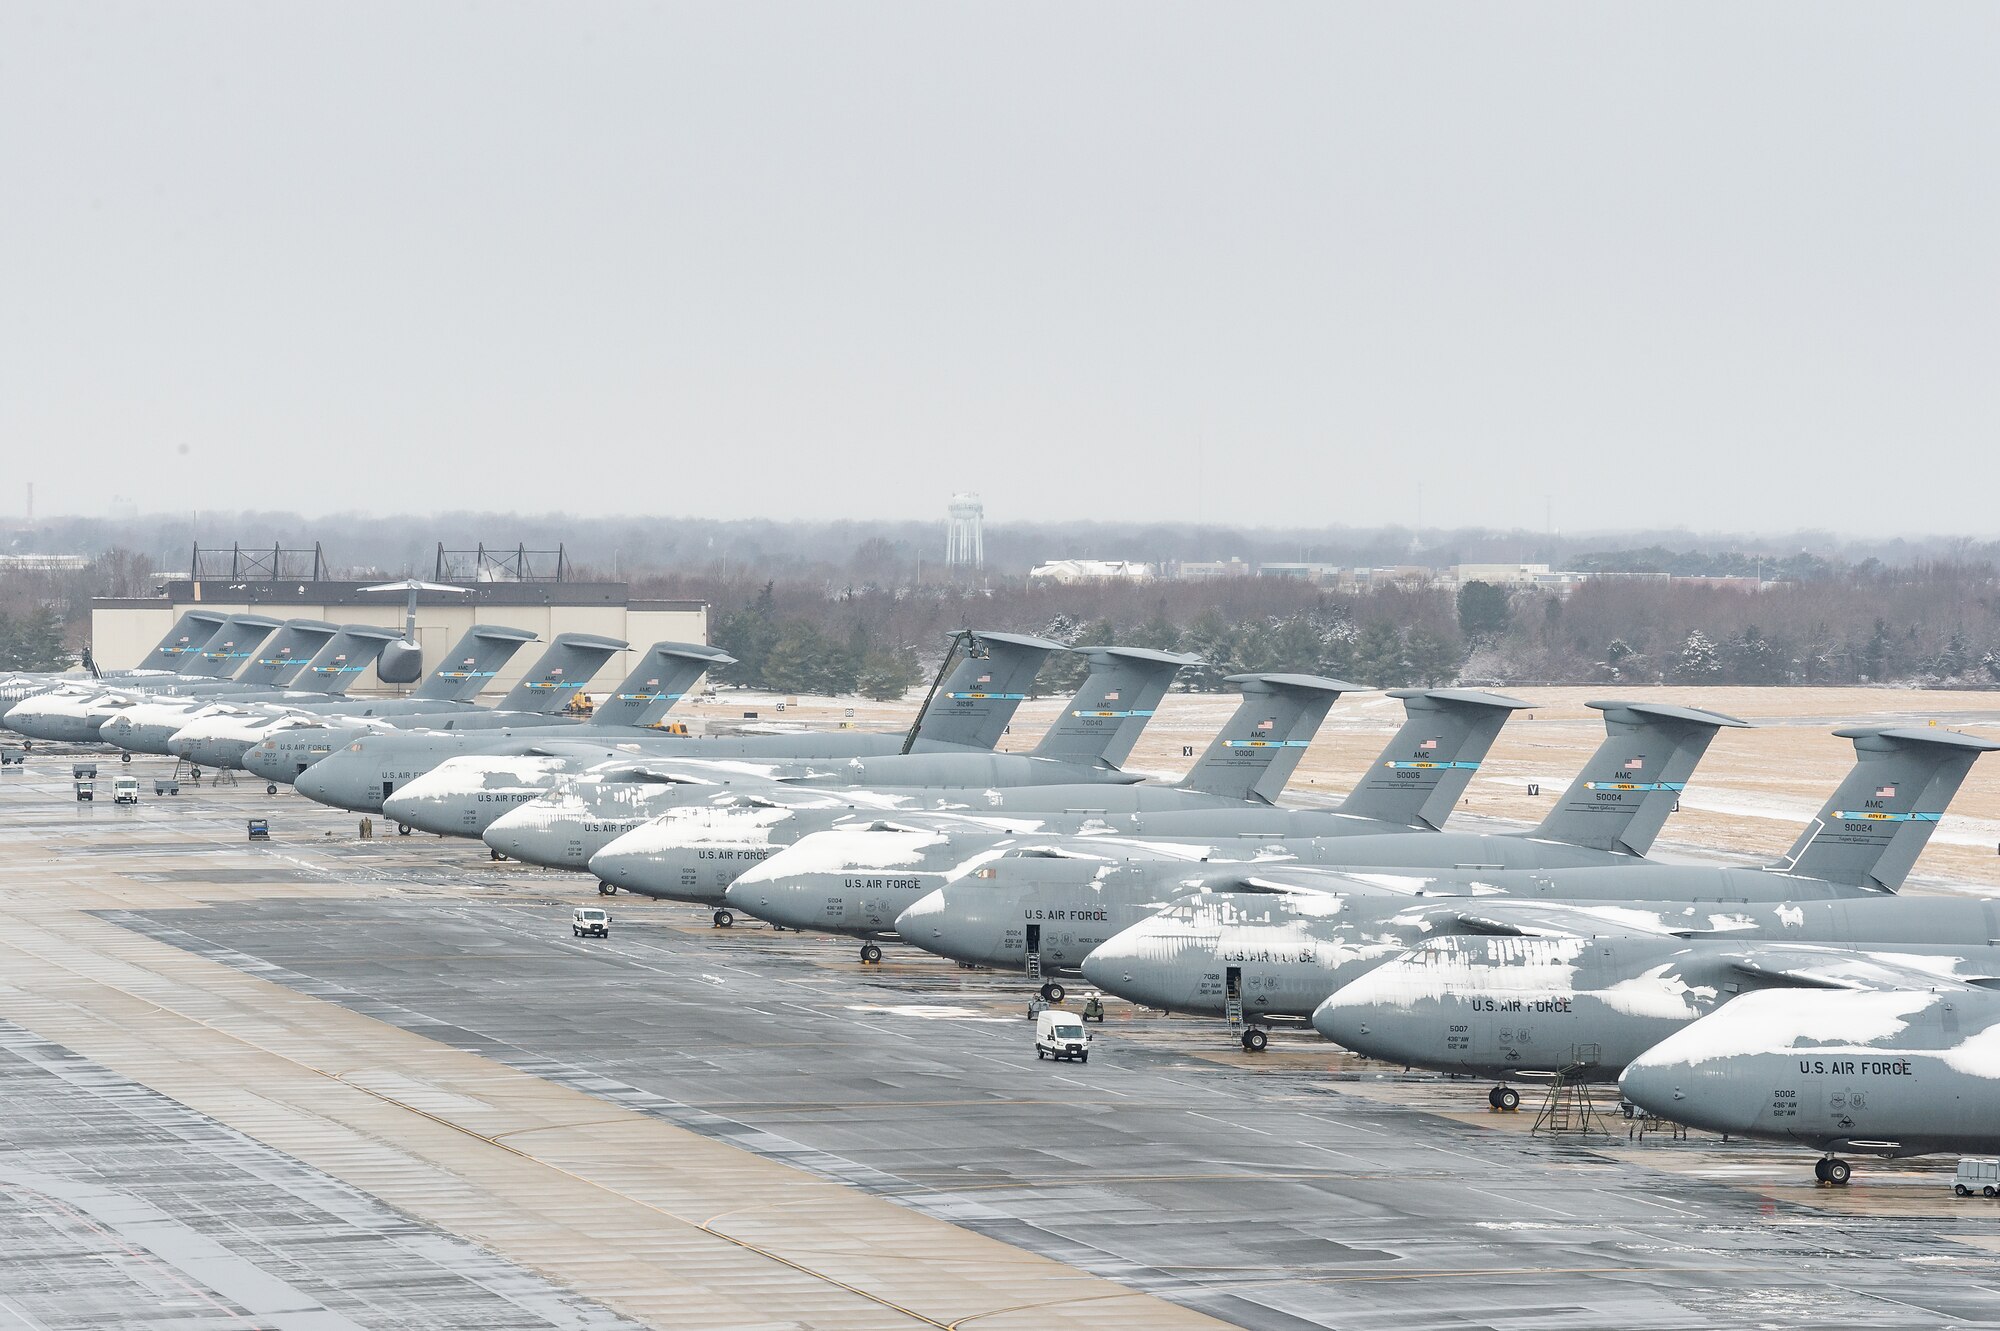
871 954
724 918
1255 1039
1834 1171
1053 991
1504 1097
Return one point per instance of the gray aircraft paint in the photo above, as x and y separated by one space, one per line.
694 853
1887 1071
984 690
187 636
1587 1006
1290 945
1074 749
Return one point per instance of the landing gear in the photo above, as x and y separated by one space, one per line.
1504 1098
1833 1170
724 918
496 856
126 757
1053 991
605 889
871 954
402 829
270 787
1255 1038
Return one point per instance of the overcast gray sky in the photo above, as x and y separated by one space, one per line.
1728 266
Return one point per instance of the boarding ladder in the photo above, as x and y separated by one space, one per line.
1569 1107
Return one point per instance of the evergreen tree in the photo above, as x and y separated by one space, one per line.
1699 661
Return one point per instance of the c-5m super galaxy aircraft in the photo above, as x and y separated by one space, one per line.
1609 817
466 796
182 641
695 853
253 668
1874 1062
986 686
1315 934
1233 786
542 696
334 657
1410 788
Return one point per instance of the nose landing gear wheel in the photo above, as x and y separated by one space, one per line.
605 889
1831 1170
270 787
724 918
871 954
1504 1097
1053 991
125 757
1255 1039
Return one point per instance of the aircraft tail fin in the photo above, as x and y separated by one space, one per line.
1622 797
184 641
551 684
1255 753
1430 761
278 662
345 656
235 642
1882 815
985 689
666 673
1112 705
473 661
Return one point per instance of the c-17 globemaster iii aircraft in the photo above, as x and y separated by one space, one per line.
469 796
1885 1068
1277 955
986 686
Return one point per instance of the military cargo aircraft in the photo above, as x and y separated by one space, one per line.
1881 1065
1087 744
989 682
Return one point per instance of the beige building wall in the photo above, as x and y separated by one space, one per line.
122 632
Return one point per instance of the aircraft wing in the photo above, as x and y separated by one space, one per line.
1543 919
1834 966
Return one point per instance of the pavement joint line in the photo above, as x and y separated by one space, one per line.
138 978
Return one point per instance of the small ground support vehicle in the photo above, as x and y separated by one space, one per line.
1059 1033
260 829
1980 1176
590 922
125 790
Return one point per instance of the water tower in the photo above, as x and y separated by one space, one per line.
964 543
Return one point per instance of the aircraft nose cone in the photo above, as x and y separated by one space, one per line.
634 869
337 783
921 915
1656 1088
1352 1019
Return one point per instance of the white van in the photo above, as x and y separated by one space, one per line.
1980 1176
1060 1034
590 922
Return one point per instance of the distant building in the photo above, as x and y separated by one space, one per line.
1067 571
42 563
1517 576
1191 570
1304 572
